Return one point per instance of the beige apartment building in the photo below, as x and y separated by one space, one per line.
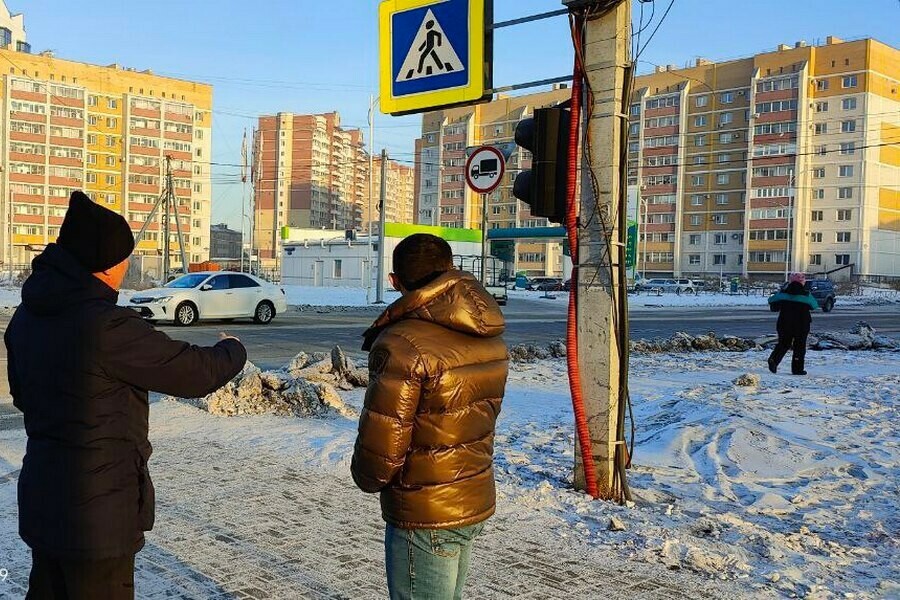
399 193
787 160
312 174
444 199
103 129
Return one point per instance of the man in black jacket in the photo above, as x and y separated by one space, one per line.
80 368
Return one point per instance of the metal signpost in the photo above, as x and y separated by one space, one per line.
484 173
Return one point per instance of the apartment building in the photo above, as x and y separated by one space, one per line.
787 160
444 199
313 174
106 130
399 193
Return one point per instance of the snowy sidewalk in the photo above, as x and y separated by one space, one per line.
235 521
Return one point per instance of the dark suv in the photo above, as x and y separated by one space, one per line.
822 290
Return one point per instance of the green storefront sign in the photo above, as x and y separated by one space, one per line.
631 245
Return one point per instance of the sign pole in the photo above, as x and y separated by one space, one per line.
484 230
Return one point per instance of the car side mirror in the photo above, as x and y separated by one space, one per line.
205 287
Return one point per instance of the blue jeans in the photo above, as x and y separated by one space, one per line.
428 564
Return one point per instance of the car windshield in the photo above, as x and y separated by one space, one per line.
188 281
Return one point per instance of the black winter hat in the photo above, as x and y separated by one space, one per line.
97 237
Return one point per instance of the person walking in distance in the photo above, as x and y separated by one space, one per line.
793 304
80 368
438 368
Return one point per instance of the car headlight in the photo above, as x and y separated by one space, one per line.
164 299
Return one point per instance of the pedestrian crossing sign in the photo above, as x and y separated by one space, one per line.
434 54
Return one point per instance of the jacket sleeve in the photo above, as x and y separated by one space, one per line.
386 423
11 375
136 353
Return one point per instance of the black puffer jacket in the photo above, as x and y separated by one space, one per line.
80 368
794 305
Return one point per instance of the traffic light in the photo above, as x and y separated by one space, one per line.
543 187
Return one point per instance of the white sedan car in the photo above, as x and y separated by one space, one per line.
212 295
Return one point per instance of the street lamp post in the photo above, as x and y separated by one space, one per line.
371 120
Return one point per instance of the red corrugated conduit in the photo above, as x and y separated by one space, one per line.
581 424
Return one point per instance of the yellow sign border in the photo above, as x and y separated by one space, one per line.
475 90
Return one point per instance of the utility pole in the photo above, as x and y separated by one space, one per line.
167 202
601 255
790 228
379 294
371 192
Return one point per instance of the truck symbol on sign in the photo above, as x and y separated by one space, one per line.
489 167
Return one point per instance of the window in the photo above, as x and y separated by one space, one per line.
848 104
822 150
776 106
92 178
848 148
656 142
700 121
845 193
817 215
845 171
634 129
844 214
112 103
843 237
816 237
694 239
727 138
841 259
774 149
723 178
721 199
697 180
701 101
726 118
822 85
670 121
818 194
724 158
92 101
662 199
694 259
110 180
815 260
110 161
771 192
110 122
700 159
769 213
773 171
848 126
849 81
727 97
719 259
110 141
635 110
821 128
664 102
819 173
768 234
700 140
821 107
766 257
696 219
720 219
92 120
720 238
697 200
338 271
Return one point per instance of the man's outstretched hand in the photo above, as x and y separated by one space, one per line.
224 336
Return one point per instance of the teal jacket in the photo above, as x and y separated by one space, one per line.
799 298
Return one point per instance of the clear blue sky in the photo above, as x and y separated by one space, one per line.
308 56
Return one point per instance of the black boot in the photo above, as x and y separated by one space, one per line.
797 367
773 366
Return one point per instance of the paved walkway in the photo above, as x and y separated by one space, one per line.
238 522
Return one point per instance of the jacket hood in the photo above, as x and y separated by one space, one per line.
58 281
455 300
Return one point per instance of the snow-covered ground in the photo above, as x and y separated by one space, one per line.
789 488
868 297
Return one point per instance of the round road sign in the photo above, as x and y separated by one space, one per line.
485 169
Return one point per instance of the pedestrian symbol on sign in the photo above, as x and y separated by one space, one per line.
430 53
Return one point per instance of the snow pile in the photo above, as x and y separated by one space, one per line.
684 342
305 387
861 337
789 485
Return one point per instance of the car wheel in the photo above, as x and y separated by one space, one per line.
264 313
186 314
829 304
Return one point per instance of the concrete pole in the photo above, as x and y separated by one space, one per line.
606 45
371 192
790 229
379 299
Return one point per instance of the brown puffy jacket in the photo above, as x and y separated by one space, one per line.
426 434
